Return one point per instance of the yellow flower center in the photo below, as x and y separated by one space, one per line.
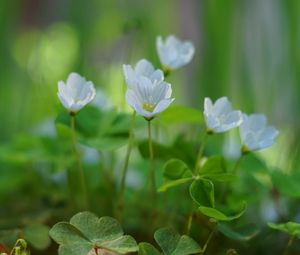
149 107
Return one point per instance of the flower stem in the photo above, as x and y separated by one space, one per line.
78 162
199 156
129 148
190 221
289 244
200 152
209 239
237 164
151 154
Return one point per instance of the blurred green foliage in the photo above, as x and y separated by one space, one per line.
246 50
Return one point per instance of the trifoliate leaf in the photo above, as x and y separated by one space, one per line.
173 244
86 232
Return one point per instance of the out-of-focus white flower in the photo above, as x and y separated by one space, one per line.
219 116
255 133
149 98
174 53
142 68
76 92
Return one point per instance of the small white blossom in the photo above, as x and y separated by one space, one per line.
76 92
149 98
220 117
174 53
142 68
255 133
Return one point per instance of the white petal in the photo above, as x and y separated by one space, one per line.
144 68
257 121
222 106
162 105
208 106
158 75
132 99
129 75
270 133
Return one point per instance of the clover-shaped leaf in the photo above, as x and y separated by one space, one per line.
86 232
215 169
173 244
292 228
176 172
147 249
202 192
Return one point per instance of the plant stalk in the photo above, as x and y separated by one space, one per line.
128 152
151 154
200 152
209 239
78 162
289 244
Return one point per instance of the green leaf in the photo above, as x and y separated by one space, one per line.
171 184
97 229
176 169
147 249
86 231
220 216
213 165
75 249
292 228
173 244
202 192
215 169
241 234
181 114
287 184
105 143
123 244
37 235
65 233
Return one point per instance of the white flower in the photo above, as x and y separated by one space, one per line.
174 53
142 68
76 92
255 133
220 117
149 98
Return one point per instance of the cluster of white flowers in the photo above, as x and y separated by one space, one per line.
148 94
254 132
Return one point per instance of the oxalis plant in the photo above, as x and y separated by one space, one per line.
205 179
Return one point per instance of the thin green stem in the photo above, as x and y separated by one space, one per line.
289 244
237 164
200 152
190 221
234 171
78 162
209 239
128 152
151 154
199 156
